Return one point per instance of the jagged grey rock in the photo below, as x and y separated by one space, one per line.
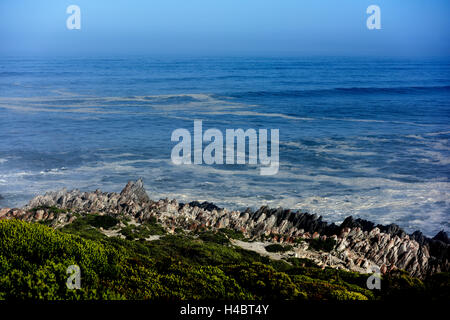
360 244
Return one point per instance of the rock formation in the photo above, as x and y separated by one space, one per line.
360 245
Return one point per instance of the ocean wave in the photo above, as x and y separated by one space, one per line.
117 105
383 199
298 118
260 114
438 133
342 91
434 157
53 171
334 148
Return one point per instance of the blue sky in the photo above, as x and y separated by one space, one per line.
225 27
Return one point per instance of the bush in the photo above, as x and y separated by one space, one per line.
265 282
232 234
346 295
34 259
322 245
302 262
216 237
142 231
278 248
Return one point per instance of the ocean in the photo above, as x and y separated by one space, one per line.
367 137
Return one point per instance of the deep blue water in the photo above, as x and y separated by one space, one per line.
364 137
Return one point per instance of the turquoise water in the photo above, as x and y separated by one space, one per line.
363 137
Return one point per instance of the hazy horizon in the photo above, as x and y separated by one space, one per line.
266 28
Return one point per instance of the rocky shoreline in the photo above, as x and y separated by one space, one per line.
360 245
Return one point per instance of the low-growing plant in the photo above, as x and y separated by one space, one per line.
232 234
275 247
322 245
34 259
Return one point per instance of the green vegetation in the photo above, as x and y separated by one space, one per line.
233 234
278 247
34 259
302 262
143 231
322 245
216 237
51 209
86 226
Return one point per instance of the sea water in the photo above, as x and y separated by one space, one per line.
367 137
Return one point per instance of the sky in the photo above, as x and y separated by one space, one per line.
225 27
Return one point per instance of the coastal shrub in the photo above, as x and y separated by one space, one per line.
105 222
34 259
322 245
328 274
399 285
178 230
439 284
369 294
232 234
318 289
265 282
302 262
84 226
146 229
279 265
216 237
278 248
346 295
130 232
174 280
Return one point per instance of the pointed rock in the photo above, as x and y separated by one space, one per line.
135 191
442 236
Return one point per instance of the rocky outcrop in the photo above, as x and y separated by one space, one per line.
360 244
134 191
442 236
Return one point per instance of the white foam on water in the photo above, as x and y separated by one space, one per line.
103 105
372 195
258 114
334 148
382 200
